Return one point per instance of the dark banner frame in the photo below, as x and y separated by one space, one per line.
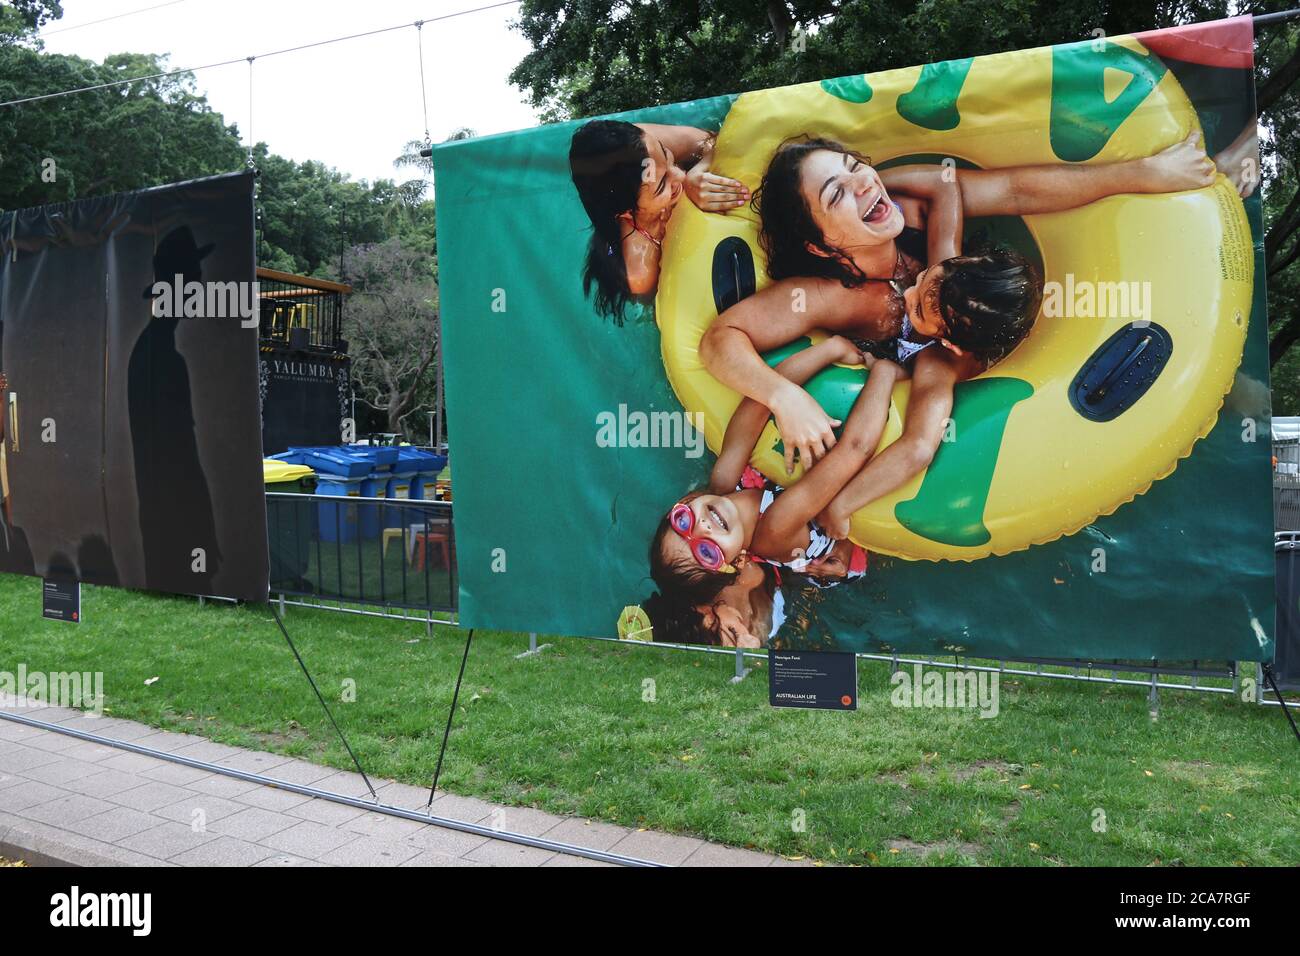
135 460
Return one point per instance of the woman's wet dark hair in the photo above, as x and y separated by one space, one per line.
988 302
787 226
676 622
606 162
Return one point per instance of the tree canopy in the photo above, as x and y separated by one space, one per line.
312 219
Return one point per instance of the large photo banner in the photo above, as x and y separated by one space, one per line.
130 444
969 357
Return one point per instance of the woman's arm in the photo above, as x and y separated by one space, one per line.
938 190
711 192
692 150
784 524
1240 160
1029 190
641 259
768 319
750 417
687 143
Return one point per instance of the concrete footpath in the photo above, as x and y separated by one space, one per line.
69 801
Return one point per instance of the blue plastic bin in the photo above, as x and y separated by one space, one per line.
429 467
328 461
339 521
401 488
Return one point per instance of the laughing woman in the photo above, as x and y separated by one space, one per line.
629 177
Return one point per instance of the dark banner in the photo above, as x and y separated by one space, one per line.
128 373
304 398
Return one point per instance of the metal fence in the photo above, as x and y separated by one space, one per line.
300 312
1286 484
397 559
395 555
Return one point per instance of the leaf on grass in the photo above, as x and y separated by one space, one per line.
150 680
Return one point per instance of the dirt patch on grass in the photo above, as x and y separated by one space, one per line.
1205 775
1001 769
942 847
282 738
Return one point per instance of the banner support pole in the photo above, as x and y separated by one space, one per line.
1277 692
741 670
446 734
319 696
1268 19
533 648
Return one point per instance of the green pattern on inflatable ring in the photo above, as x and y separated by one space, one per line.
1082 120
851 89
949 507
932 103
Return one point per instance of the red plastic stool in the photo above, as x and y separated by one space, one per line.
423 539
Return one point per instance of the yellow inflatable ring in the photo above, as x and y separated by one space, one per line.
1033 459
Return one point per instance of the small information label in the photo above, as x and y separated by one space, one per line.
823 680
61 600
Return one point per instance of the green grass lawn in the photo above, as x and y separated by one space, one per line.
1212 782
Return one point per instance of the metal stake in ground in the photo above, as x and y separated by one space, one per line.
1268 675
455 696
338 730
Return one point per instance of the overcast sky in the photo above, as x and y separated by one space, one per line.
351 105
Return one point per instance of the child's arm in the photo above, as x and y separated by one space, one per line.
937 371
940 209
751 417
783 527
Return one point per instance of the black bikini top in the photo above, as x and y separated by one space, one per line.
911 242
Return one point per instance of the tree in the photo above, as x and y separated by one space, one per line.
153 131
392 324
592 57
123 137
20 19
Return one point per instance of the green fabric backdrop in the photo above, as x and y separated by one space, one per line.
552 531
